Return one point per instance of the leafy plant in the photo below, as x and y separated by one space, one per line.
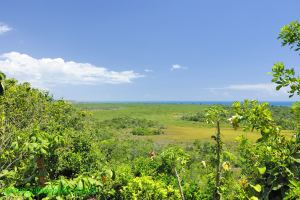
214 116
282 77
146 188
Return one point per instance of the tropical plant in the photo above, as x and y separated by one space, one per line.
215 115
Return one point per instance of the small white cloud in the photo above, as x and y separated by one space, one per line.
4 28
148 70
176 67
45 72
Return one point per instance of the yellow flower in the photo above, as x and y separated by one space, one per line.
226 166
244 182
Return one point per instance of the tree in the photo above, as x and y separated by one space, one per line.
41 138
272 163
173 159
252 115
215 115
282 76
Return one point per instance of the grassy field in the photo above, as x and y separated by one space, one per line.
177 130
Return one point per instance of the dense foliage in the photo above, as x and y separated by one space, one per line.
134 125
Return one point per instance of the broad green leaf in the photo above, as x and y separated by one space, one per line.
80 185
43 151
256 187
262 170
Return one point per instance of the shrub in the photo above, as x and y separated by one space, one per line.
146 188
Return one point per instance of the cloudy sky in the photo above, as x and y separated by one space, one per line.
147 50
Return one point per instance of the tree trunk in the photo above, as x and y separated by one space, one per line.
40 162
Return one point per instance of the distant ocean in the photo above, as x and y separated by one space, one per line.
272 103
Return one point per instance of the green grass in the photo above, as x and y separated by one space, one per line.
177 130
180 134
167 114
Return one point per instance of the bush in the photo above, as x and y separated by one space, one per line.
134 125
146 188
195 117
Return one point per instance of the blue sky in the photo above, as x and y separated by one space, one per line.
147 50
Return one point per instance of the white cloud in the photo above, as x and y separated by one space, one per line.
45 72
148 70
176 67
4 28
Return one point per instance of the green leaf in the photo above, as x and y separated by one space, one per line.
278 87
256 187
27 194
80 185
43 151
262 170
15 145
294 183
297 160
253 198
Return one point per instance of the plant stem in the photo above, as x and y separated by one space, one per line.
179 184
218 166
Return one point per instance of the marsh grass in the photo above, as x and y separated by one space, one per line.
177 131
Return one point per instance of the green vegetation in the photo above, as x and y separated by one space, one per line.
290 36
194 117
135 125
52 149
